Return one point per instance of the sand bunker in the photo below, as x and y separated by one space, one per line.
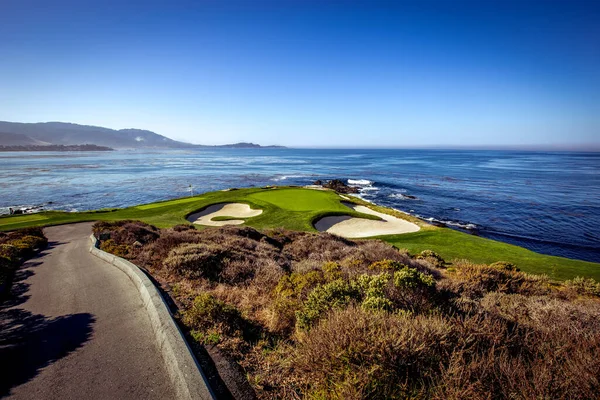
236 210
352 227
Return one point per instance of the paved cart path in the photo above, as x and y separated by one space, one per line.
76 329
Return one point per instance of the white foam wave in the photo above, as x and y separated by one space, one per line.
361 182
369 189
400 196
456 224
285 177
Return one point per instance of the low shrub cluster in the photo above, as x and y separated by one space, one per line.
583 286
16 247
317 316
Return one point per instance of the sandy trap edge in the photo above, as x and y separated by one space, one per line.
353 227
182 367
234 210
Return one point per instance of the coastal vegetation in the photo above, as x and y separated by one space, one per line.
15 248
313 315
298 208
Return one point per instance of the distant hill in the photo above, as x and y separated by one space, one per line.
17 139
61 133
55 147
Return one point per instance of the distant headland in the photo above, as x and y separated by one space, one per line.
38 136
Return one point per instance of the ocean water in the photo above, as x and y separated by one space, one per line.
548 202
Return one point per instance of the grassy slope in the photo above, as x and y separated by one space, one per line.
451 244
296 208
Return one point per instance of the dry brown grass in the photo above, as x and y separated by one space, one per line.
357 354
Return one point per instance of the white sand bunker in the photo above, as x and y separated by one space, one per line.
352 227
235 210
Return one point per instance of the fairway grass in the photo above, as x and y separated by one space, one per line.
298 209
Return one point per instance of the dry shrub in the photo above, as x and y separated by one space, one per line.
583 286
119 250
357 354
433 258
183 227
126 231
231 255
207 311
475 280
325 247
412 290
123 238
195 260
135 232
153 254
22 243
525 347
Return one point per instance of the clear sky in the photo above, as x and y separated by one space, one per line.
308 73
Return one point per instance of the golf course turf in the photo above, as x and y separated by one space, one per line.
298 209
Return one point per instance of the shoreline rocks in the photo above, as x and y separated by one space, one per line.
337 185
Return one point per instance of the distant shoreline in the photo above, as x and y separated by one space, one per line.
56 147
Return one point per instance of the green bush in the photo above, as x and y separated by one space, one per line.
410 278
373 291
387 266
297 285
291 290
332 271
208 312
412 290
335 294
210 337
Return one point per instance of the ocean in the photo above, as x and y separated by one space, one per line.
548 202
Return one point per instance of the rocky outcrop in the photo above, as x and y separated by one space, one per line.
337 185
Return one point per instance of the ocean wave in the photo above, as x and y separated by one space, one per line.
285 177
360 182
402 196
456 224
362 197
369 189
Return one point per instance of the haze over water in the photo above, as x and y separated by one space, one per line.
547 202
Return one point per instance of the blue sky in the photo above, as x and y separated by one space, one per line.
308 73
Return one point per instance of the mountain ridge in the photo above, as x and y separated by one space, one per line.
71 134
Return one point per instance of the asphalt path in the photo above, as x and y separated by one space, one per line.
75 328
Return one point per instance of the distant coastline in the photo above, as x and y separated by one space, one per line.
18 136
56 147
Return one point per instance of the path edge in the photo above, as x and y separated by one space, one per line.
182 367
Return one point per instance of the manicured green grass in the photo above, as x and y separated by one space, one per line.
299 208
451 244
282 207
300 199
